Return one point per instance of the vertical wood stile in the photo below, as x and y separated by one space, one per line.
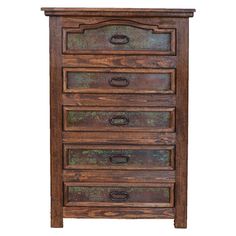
56 122
182 125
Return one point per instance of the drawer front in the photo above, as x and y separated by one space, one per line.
103 119
84 80
150 196
118 157
119 37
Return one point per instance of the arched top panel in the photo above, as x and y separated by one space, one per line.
118 37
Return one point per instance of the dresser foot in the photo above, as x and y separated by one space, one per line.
180 224
57 223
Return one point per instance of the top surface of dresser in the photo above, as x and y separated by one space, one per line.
160 12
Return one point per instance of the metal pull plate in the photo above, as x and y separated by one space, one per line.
118 82
119 120
119 39
119 196
119 159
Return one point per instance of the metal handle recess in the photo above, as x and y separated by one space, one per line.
119 120
119 159
119 196
119 39
118 82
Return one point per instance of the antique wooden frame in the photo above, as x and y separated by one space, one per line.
176 19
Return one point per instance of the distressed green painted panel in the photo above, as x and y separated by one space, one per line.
138 158
135 194
100 80
99 39
157 119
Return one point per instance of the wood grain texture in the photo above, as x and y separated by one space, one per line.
86 89
120 12
55 123
118 212
119 138
119 61
75 22
106 176
118 100
182 127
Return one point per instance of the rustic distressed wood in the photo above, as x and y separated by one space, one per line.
119 61
118 100
103 80
118 176
119 113
182 127
128 157
158 195
118 212
55 123
119 36
119 119
119 138
120 12
161 22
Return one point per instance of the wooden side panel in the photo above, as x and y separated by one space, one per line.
55 122
118 157
182 126
118 212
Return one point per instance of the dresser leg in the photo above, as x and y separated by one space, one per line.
56 222
180 223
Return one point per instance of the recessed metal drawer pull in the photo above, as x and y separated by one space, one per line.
118 82
119 196
119 120
119 159
119 39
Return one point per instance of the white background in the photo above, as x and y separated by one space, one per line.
24 124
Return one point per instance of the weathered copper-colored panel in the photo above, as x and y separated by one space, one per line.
111 119
118 194
118 37
103 158
158 82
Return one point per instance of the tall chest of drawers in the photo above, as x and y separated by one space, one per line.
119 113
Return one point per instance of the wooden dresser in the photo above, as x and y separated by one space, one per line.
119 113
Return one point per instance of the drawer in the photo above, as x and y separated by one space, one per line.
118 37
118 157
84 80
119 119
89 194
